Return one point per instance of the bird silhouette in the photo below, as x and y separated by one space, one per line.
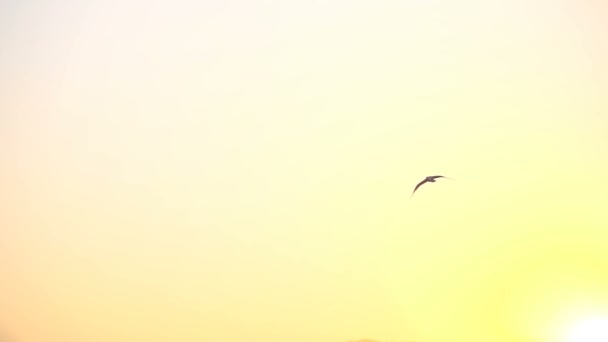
430 179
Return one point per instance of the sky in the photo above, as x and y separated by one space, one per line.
241 170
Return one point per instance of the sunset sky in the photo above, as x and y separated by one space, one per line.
241 170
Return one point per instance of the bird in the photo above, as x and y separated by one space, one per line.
431 179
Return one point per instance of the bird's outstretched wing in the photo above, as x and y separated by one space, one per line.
435 177
417 186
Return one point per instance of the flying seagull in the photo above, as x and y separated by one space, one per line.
431 179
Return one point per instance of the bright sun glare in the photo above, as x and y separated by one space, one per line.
590 329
